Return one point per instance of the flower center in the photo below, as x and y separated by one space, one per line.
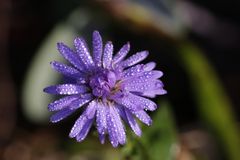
102 83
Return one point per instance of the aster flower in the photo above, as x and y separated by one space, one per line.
108 88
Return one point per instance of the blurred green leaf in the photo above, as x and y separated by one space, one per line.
214 105
158 141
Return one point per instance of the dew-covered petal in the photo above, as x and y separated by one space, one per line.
121 112
91 110
143 77
128 102
121 54
115 127
134 59
85 129
111 78
143 116
70 56
141 102
137 70
60 115
62 103
153 93
97 48
111 129
65 69
77 127
107 54
66 89
132 123
101 120
83 52
82 100
153 88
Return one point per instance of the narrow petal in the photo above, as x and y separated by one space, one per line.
91 110
97 48
70 56
149 88
102 138
149 66
141 102
107 54
134 59
111 76
129 119
121 112
143 116
84 122
60 115
132 123
66 89
65 69
84 132
112 131
83 52
121 131
61 103
82 100
121 54
115 127
101 120
153 93
77 127
128 102
138 70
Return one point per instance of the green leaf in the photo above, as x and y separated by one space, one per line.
158 141
213 103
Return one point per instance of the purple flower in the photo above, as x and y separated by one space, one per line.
108 88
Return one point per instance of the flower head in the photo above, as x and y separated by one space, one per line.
108 88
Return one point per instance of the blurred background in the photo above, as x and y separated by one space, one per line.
195 43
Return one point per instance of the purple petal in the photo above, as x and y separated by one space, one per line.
143 116
111 78
66 89
77 127
149 66
102 138
144 77
97 48
129 119
134 59
101 119
70 56
83 52
82 100
60 115
148 88
121 112
115 127
153 93
84 132
121 53
132 123
111 129
107 54
65 69
128 102
91 110
61 103
141 102
138 70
